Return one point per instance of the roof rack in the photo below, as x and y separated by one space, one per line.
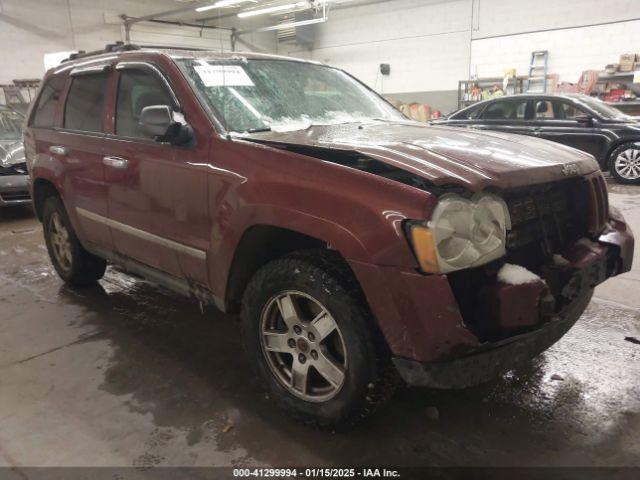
109 48
171 47
125 47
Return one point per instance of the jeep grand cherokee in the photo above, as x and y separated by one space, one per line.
359 248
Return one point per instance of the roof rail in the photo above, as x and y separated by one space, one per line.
110 47
125 47
170 47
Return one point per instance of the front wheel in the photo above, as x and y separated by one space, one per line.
309 336
624 164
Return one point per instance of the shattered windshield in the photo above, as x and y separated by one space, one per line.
10 125
283 95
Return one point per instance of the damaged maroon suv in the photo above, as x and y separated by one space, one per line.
359 248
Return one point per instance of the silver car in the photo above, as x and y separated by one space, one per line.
14 178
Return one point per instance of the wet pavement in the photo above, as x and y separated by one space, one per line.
130 374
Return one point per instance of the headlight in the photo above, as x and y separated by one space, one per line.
461 233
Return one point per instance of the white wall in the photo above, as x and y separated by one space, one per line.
431 44
579 35
427 43
31 28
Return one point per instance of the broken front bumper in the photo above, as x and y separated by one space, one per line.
432 345
491 360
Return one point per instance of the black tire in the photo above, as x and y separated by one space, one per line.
618 176
80 268
369 379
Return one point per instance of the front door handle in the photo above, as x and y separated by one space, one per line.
58 150
116 162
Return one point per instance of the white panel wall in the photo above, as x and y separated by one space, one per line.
425 41
579 35
432 44
158 34
31 28
571 51
501 17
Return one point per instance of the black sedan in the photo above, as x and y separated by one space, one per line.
579 121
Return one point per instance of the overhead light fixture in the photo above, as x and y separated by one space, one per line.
282 26
221 4
274 9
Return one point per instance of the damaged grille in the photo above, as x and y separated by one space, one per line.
545 218
598 203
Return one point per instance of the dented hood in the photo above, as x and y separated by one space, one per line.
446 155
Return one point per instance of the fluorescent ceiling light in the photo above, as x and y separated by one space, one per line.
282 26
274 9
221 4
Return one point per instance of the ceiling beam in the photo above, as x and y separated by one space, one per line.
165 13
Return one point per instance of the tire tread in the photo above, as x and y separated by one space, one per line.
334 274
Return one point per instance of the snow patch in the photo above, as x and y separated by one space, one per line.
240 58
303 122
516 275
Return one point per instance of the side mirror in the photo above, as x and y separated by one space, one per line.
584 120
159 122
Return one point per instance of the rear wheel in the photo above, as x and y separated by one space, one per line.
73 263
624 164
309 336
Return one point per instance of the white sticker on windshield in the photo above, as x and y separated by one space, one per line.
223 76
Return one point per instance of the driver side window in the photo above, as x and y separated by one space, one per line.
567 111
544 110
137 89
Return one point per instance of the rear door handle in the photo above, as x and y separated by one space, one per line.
58 150
116 162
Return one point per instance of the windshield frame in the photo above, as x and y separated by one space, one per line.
220 122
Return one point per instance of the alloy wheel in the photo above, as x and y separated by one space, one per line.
627 164
59 237
303 346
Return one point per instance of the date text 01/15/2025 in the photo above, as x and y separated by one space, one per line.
315 473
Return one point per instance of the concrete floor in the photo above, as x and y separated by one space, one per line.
129 374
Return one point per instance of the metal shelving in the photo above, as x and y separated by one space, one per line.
514 85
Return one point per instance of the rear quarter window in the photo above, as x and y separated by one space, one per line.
85 101
468 113
44 115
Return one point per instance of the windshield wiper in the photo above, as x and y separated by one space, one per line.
257 130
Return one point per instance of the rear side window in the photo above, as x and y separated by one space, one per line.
137 89
83 110
45 113
468 113
506 110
